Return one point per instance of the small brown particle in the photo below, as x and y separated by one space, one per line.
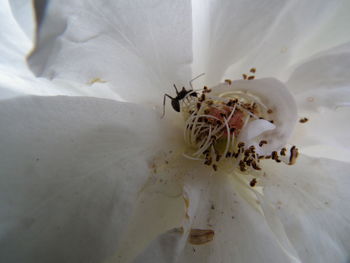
251 77
283 151
255 166
253 182
303 120
253 70
269 111
261 143
293 155
200 236
241 144
244 76
274 155
228 81
215 167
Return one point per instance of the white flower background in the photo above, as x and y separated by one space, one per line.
80 128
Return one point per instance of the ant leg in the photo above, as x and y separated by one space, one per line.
165 95
200 75
177 92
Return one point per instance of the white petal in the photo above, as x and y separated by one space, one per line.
323 80
296 32
137 49
322 91
311 199
252 132
15 43
225 32
160 207
24 14
241 233
70 172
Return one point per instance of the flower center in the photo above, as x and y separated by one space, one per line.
231 128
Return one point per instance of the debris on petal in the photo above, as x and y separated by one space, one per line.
200 236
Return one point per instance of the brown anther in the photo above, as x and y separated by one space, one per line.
218 157
244 76
269 111
240 145
251 77
293 155
271 121
303 120
253 182
242 168
205 88
208 161
252 148
232 130
283 151
206 111
253 70
215 167
261 143
228 81
228 154
274 155
255 166
268 157
198 105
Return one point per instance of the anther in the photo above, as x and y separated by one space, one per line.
303 120
253 182
261 143
293 155
283 151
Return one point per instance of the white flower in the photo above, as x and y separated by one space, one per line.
86 179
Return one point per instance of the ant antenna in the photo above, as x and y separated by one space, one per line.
200 75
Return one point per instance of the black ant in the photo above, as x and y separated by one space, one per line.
175 102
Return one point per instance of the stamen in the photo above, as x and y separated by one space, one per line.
214 122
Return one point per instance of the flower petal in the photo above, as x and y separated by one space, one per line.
240 232
137 49
15 41
311 200
322 91
268 35
225 31
70 172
